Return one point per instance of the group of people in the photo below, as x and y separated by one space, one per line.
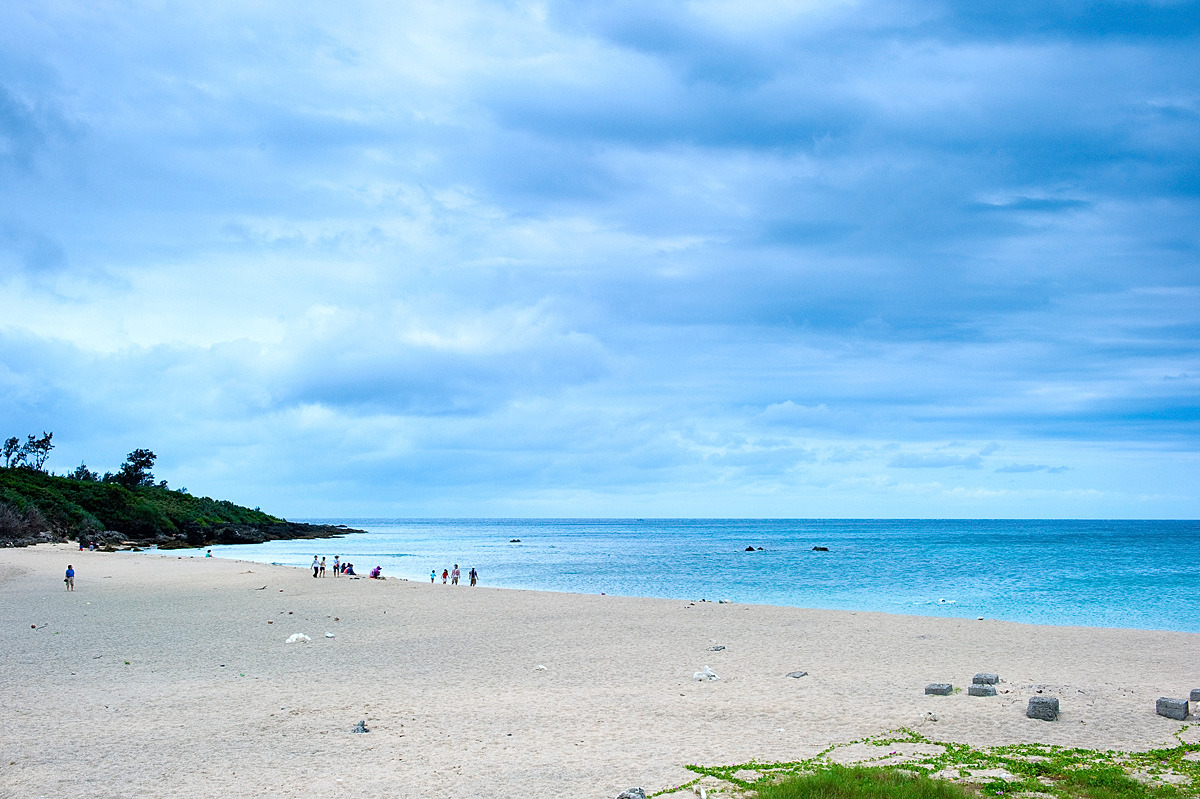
453 575
339 568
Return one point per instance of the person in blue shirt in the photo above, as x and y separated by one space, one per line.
70 578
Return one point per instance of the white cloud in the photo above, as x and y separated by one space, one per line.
606 258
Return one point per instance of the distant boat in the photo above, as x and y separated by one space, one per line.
514 540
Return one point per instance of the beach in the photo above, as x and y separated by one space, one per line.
164 675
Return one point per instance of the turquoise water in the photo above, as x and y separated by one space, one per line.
1138 574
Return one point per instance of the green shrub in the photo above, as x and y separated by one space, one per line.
80 507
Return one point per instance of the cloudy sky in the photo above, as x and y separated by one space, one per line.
885 258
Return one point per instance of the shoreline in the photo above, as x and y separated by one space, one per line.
1127 577
167 552
706 601
173 672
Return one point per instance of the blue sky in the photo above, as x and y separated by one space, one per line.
897 258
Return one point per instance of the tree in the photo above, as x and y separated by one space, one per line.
12 452
32 454
135 471
37 450
84 474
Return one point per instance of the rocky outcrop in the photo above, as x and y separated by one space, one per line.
31 539
249 534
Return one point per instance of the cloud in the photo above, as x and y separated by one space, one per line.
1024 468
30 249
911 460
643 256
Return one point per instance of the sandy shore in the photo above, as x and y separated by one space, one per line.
162 676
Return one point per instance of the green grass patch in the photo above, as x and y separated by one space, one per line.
857 782
907 765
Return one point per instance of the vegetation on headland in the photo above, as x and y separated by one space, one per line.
123 506
906 765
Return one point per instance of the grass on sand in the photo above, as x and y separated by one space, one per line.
906 765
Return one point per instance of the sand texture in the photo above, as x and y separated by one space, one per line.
162 676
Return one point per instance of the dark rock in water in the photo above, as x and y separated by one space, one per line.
360 727
820 549
760 549
939 689
748 549
984 678
1172 708
1043 707
632 793
981 689
514 540
796 674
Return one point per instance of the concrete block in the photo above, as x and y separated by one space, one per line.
1172 708
939 689
1043 707
977 689
984 678
1196 694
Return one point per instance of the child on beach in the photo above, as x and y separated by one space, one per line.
322 566
70 578
337 567
445 574
432 576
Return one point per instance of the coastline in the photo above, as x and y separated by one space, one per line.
447 679
1038 572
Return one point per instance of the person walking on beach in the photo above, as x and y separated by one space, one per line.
432 576
322 566
70 578
316 566
454 575
337 568
445 574
474 575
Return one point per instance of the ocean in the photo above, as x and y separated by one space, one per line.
1133 574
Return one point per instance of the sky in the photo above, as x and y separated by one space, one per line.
707 258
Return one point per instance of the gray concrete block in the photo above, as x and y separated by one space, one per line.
1196 694
1043 707
1172 708
977 689
939 689
985 678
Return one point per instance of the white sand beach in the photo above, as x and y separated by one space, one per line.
168 676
